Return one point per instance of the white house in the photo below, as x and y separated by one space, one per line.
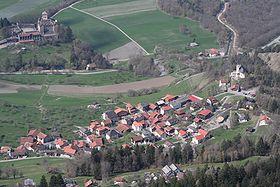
239 72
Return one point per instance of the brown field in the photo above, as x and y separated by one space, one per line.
117 88
13 88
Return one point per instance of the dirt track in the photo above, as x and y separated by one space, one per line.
117 88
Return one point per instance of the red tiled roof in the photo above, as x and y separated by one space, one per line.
42 135
69 150
168 129
98 142
166 108
168 98
205 112
152 106
59 141
197 120
138 124
159 131
24 34
213 99
33 132
264 118
137 138
119 110
182 132
214 51
194 98
122 128
107 122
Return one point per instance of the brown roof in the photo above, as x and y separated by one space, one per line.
97 143
33 132
69 150
42 135
122 128
23 140
137 138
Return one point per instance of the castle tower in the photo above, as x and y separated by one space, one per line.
45 15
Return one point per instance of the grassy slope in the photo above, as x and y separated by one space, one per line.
90 3
187 86
6 3
156 28
94 79
20 111
33 169
100 35
34 13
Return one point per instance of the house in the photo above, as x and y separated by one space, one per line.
19 152
180 113
131 109
153 106
106 123
169 130
33 133
197 120
168 98
69 150
100 131
200 137
96 144
5 149
171 121
224 84
242 118
127 121
170 171
193 44
238 73
121 112
167 171
235 87
194 99
60 143
178 103
122 128
159 133
29 183
222 117
93 125
23 140
79 143
137 140
91 66
119 181
143 107
264 120
168 145
213 101
204 114
160 103
112 134
138 126
110 114
90 183
182 133
41 137
213 52
165 109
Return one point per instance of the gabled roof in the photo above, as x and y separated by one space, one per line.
264 117
33 132
138 124
121 128
98 142
60 141
182 133
112 132
119 110
166 108
23 140
194 98
169 98
205 112
137 138
69 150
152 106
42 135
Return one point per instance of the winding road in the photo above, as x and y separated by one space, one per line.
235 35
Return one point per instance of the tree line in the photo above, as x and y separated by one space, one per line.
254 173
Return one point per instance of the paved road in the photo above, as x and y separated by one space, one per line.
32 158
235 35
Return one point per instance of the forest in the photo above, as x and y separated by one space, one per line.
256 21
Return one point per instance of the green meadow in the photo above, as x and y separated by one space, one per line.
100 35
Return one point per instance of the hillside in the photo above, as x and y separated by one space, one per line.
256 21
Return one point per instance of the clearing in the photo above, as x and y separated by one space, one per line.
13 88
